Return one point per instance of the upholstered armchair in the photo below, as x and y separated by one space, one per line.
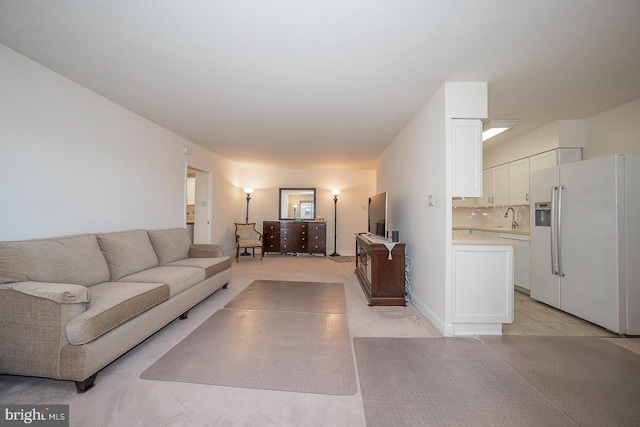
248 237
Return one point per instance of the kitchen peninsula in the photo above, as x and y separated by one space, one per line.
482 284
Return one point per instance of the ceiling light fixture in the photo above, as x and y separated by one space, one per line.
491 128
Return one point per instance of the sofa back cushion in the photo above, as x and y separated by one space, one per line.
127 252
72 259
170 244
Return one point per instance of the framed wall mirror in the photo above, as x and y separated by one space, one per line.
297 204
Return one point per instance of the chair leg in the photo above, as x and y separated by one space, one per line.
254 252
237 254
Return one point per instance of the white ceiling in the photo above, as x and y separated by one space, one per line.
330 83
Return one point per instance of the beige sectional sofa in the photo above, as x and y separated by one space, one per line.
71 305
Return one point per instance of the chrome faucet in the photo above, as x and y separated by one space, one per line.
514 224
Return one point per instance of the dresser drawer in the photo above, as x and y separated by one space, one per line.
271 226
272 246
317 248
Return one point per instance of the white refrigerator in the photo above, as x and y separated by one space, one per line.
585 240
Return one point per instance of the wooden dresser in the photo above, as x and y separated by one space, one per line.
382 279
309 237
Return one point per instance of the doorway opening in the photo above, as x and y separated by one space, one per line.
198 206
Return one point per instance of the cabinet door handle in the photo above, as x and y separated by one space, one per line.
526 197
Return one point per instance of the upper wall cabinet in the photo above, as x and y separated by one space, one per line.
508 184
495 186
519 182
552 158
467 157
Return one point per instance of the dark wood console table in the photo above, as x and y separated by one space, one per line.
382 279
295 237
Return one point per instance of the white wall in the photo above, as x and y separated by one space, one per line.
352 201
414 165
562 133
72 161
613 131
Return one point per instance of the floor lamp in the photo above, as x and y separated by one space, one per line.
248 191
335 220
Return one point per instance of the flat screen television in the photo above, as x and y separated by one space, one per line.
378 215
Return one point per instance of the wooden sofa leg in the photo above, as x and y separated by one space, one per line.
184 315
82 386
225 286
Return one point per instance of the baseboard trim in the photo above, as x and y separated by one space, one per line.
445 330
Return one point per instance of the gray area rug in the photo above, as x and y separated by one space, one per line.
548 381
270 350
594 381
284 295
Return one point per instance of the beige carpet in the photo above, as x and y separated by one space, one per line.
284 295
550 381
343 258
274 335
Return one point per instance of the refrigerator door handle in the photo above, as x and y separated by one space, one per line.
554 237
559 233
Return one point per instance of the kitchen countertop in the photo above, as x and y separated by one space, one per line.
474 239
495 230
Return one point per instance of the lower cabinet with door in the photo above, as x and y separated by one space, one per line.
481 291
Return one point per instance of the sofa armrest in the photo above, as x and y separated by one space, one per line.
62 293
33 327
205 251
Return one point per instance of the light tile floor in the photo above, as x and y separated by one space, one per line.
535 318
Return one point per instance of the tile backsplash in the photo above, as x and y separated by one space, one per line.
490 217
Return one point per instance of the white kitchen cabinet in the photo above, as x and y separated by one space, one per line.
521 260
482 288
467 157
495 186
519 182
552 158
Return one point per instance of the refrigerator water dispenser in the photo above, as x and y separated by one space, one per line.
543 214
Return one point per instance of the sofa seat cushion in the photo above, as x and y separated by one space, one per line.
112 304
73 259
211 266
178 279
127 252
170 244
